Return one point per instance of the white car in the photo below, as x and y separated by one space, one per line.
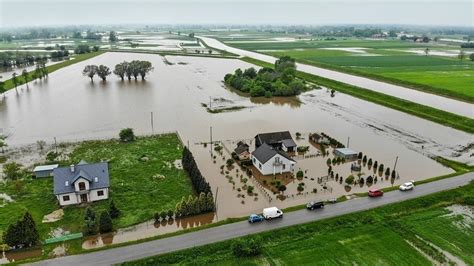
407 186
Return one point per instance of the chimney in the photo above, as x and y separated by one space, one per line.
72 168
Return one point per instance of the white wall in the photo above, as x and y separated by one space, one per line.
268 168
94 197
76 184
76 198
73 199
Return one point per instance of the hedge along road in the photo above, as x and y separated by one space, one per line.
238 229
432 100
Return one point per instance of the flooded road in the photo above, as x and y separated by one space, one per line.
438 102
71 108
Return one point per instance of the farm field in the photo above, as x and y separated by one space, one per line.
382 236
393 61
139 187
436 74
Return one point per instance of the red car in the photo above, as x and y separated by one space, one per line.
375 193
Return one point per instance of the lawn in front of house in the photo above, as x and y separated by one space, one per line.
143 180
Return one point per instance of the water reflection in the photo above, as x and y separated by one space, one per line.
148 229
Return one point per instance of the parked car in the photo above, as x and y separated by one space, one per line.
255 218
407 186
314 205
272 212
375 193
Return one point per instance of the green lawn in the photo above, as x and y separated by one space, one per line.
445 76
139 188
374 237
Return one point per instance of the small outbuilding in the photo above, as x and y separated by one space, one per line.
345 153
242 151
44 170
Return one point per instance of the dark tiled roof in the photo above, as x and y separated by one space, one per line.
86 171
241 148
277 137
265 152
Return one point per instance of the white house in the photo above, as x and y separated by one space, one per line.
81 183
271 161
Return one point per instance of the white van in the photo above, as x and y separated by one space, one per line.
272 212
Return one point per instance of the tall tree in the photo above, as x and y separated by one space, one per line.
103 72
113 210
120 70
113 36
144 68
90 71
15 81
427 51
24 74
105 222
461 55
135 68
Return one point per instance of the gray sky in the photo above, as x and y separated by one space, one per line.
15 13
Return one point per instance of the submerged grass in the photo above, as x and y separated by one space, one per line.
462 123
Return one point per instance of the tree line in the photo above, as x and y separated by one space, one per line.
126 69
195 205
189 165
278 81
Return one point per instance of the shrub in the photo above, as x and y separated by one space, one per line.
370 179
113 210
12 170
369 163
387 171
359 156
381 167
105 222
218 148
300 174
350 180
229 162
328 161
302 148
281 188
127 135
250 190
170 214
246 247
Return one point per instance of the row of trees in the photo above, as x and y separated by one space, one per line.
189 165
278 81
131 69
104 224
23 233
195 205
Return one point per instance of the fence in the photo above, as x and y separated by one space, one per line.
63 238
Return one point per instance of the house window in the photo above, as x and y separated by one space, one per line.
260 166
254 160
65 198
82 186
277 160
100 193
284 166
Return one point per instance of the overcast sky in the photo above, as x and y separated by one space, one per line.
15 13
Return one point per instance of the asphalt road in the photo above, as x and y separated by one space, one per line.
229 231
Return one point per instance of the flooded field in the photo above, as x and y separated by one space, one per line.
71 108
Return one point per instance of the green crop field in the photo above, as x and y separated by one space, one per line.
139 187
385 60
406 233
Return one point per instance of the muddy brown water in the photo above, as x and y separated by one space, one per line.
71 108
12 256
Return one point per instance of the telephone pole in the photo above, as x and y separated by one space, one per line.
210 129
395 165
151 120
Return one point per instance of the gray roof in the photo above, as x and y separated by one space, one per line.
86 171
265 152
241 148
277 137
49 167
346 151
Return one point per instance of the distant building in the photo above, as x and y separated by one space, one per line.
44 170
81 183
278 140
317 138
242 150
345 153
270 160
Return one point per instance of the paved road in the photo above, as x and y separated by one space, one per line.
229 231
435 101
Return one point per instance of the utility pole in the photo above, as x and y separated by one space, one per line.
55 145
348 138
396 160
151 120
210 102
211 139
215 199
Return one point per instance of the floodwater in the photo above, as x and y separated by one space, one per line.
439 102
148 229
71 108
12 256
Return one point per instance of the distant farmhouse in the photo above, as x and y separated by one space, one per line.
81 183
278 140
270 155
346 153
320 139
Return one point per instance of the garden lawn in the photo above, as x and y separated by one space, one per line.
139 188
373 237
445 76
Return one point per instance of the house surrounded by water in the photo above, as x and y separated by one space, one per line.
81 183
279 140
271 161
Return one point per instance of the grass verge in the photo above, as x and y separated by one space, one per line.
435 115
